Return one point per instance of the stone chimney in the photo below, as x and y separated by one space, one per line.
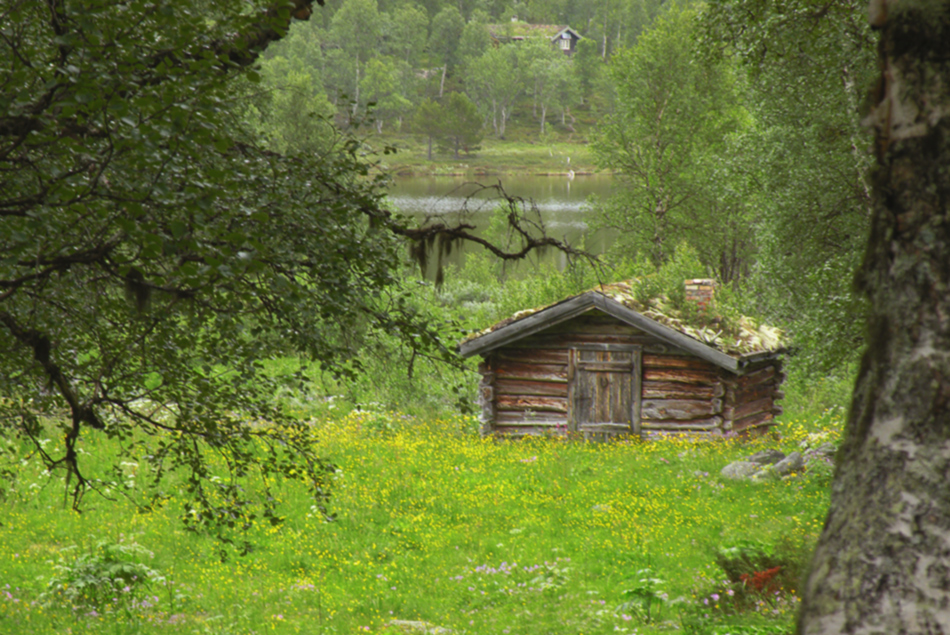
700 291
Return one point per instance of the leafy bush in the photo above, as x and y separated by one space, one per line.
745 558
112 575
645 597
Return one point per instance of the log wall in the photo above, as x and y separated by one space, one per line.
682 394
750 402
524 388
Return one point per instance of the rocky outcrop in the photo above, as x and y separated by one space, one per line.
772 464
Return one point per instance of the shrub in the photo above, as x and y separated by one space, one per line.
112 575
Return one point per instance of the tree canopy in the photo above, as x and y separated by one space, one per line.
154 254
675 125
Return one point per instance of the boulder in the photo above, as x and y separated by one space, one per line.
740 470
790 464
765 465
825 453
767 457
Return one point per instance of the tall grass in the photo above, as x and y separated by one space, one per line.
437 525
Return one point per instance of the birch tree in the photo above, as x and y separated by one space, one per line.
672 116
883 559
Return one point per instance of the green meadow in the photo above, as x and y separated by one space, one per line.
435 527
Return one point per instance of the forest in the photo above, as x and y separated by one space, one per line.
231 392
698 110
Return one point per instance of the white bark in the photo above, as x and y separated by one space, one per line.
883 560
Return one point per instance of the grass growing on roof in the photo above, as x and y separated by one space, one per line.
438 525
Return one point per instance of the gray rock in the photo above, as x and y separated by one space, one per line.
740 470
791 463
767 457
828 449
824 453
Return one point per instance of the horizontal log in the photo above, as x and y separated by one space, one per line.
528 387
540 425
608 428
756 377
525 431
532 355
762 418
712 423
764 362
536 372
515 417
676 361
676 390
683 376
606 367
777 410
679 409
734 413
531 402
738 396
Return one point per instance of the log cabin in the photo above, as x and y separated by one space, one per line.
609 362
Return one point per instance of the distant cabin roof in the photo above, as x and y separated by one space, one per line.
729 343
523 30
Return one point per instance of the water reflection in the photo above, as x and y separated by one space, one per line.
560 200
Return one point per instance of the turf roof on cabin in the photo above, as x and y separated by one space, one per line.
735 337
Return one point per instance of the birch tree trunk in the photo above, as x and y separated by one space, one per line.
883 560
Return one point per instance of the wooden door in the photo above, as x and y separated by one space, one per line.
604 392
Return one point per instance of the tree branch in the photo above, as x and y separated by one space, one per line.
240 49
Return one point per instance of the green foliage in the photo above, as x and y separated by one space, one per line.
645 597
384 86
587 65
445 34
156 256
454 123
494 84
818 396
475 39
111 577
670 130
295 116
812 235
405 31
745 557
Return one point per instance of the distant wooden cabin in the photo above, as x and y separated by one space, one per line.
562 37
602 363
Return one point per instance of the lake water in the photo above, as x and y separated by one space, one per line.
560 201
